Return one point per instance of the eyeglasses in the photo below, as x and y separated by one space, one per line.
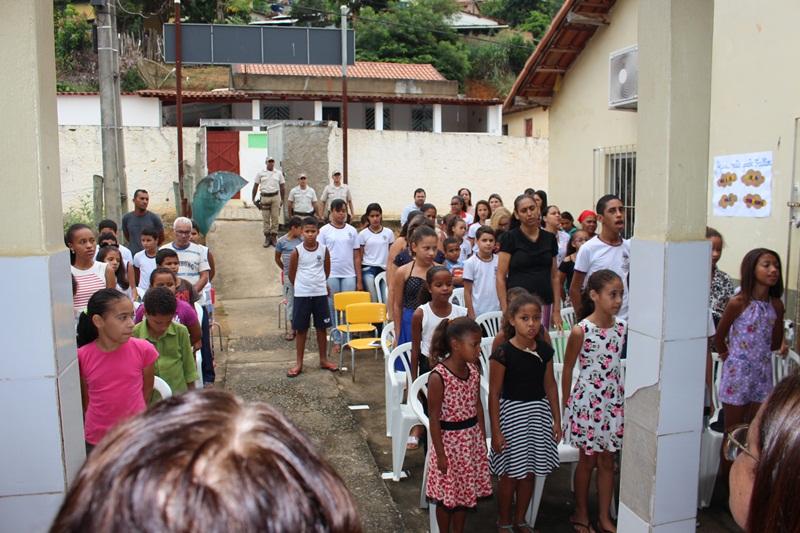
736 443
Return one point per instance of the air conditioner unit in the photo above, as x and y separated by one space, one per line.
623 78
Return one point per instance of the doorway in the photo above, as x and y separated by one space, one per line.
222 148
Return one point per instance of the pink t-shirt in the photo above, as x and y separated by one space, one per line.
185 314
114 382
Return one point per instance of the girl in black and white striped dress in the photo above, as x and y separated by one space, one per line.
524 411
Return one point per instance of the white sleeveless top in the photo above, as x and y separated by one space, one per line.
310 280
430 321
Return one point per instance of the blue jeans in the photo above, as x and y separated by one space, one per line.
338 285
368 275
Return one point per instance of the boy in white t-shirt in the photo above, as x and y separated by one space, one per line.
309 268
607 250
480 273
144 262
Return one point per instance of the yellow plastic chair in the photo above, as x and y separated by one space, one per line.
358 315
340 302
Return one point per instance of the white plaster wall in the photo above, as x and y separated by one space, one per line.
85 111
150 155
386 166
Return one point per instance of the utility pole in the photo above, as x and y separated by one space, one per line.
106 51
345 11
118 132
184 208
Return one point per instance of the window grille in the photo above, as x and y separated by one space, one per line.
369 118
615 173
276 112
422 119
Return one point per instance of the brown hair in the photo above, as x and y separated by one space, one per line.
748 273
205 460
596 282
448 331
514 305
773 503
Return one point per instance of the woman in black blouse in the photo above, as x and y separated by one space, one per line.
527 259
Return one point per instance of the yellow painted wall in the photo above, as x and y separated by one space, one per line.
580 120
755 98
516 122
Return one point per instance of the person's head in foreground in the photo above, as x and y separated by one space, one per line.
765 476
207 461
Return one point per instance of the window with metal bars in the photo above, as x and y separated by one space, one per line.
276 112
422 119
369 118
618 176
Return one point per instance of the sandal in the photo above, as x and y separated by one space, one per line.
523 526
294 372
327 365
289 336
580 527
601 529
412 443
506 527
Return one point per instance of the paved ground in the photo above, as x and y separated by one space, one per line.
254 366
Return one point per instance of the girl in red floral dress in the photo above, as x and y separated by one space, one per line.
458 468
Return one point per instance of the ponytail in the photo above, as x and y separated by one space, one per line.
448 331
98 304
596 282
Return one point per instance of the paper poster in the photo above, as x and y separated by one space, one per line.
742 185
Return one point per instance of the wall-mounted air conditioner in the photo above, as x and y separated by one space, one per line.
623 78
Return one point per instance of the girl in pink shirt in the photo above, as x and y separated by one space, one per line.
116 370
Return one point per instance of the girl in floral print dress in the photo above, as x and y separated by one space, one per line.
458 468
593 417
750 329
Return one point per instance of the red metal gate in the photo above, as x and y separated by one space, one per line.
222 149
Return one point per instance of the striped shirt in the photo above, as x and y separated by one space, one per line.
89 281
192 261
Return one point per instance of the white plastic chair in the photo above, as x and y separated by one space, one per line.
403 418
568 316
457 298
387 339
381 287
710 441
486 352
490 322
420 386
559 342
395 383
162 387
784 366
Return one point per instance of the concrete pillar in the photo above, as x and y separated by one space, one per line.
494 120
317 110
437 118
378 116
255 112
670 270
40 404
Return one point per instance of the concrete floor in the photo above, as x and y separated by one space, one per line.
254 366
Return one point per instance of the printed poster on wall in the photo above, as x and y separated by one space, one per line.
743 185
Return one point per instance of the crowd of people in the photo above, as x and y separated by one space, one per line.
527 261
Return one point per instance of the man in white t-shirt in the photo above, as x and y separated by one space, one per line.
607 250
336 191
302 199
419 201
271 183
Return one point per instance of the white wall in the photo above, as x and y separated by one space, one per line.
386 166
150 155
85 111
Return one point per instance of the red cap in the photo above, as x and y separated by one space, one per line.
585 214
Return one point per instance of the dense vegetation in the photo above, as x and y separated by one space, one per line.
407 31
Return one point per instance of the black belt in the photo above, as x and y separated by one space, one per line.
455 426
299 214
268 193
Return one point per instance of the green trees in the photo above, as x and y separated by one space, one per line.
527 15
73 35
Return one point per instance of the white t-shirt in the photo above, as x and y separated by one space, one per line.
483 275
466 249
192 261
340 243
596 255
431 320
376 246
309 280
302 199
146 265
563 241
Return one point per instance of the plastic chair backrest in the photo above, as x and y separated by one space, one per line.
559 340
365 313
162 387
486 352
558 371
568 316
490 322
716 377
403 353
381 287
342 299
199 310
457 298
420 386
387 339
784 366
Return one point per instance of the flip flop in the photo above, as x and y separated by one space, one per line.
412 443
288 336
580 526
327 365
293 372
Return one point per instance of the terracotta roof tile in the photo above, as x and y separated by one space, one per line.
361 69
